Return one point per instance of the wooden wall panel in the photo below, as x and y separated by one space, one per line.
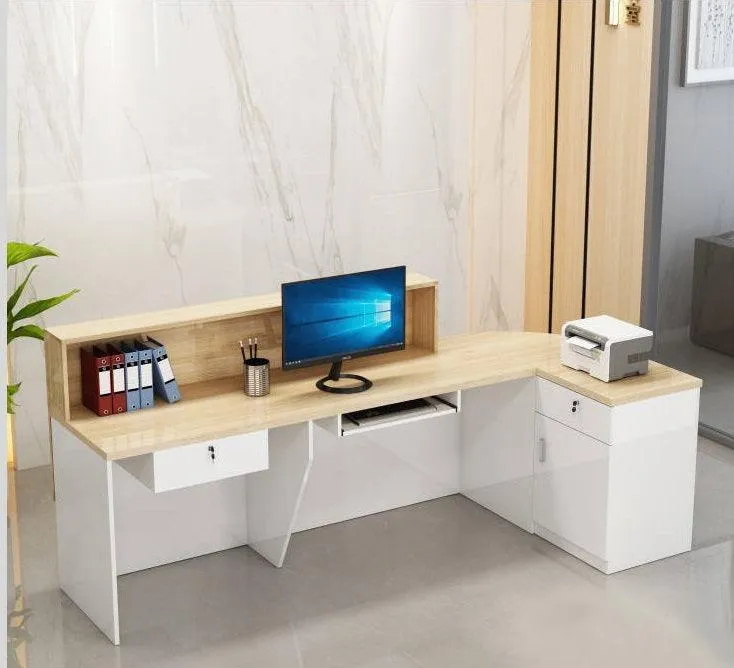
56 378
574 85
619 159
543 61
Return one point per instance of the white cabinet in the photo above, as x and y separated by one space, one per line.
570 487
614 486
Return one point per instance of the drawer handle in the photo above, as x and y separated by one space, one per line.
542 447
212 454
575 406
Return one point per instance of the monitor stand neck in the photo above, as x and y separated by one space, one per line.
335 374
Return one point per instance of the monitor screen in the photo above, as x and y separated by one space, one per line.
328 319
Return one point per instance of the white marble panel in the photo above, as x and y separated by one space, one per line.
500 98
178 152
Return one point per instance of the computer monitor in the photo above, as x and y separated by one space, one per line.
341 317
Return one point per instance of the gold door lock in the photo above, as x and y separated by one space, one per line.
632 12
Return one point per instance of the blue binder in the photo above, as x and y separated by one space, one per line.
132 375
164 382
145 356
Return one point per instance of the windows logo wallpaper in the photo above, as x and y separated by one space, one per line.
344 315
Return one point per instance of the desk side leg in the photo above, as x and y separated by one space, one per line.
498 449
85 529
274 496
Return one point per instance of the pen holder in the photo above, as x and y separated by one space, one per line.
257 377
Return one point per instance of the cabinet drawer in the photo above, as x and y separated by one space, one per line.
199 463
574 410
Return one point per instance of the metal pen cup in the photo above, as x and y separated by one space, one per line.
257 377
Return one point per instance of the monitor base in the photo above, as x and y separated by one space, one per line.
335 374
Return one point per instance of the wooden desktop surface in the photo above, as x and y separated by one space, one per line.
219 408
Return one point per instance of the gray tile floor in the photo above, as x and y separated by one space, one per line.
439 584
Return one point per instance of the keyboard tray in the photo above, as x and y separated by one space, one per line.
436 406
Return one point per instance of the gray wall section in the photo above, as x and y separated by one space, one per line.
697 182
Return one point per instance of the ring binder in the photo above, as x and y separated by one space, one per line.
145 356
164 382
132 375
96 380
119 395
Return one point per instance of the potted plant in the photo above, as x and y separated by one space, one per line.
18 253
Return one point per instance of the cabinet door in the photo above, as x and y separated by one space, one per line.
570 486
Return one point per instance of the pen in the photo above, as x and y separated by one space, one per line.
242 350
255 346
249 342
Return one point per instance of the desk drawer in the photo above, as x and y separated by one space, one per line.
200 463
574 410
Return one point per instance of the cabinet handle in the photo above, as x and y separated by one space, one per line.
575 406
212 454
543 449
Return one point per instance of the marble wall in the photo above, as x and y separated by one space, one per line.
180 151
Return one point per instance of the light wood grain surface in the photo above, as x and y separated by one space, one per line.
577 19
202 341
196 316
544 42
218 408
56 373
619 163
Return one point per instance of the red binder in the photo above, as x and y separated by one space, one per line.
119 395
96 380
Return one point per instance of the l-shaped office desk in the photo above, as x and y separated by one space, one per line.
603 471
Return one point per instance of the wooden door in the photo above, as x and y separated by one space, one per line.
590 116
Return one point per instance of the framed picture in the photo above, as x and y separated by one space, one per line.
710 42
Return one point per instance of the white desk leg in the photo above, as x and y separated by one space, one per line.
86 530
274 496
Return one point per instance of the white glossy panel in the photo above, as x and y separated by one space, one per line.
196 464
86 530
377 471
497 438
574 410
655 416
651 491
274 496
154 529
570 490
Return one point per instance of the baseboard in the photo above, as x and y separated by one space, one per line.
572 549
715 435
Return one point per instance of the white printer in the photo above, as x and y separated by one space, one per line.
606 348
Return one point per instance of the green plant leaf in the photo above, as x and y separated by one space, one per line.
34 308
12 391
30 331
20 252
13 299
